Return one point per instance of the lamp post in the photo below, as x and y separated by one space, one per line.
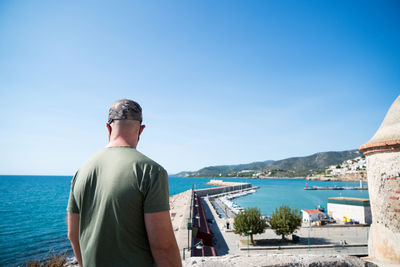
309 230
248 246
189 227
190 223
198 245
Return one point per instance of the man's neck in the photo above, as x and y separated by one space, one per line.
121 142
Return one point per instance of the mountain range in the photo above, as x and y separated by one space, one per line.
290 167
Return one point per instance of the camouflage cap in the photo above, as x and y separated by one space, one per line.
125 109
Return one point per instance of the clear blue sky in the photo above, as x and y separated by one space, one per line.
220 82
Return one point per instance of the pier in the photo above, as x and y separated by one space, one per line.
360 187
199 235
335 188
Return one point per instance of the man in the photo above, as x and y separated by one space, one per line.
118 209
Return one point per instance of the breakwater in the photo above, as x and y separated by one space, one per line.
222 189
335 188
202 238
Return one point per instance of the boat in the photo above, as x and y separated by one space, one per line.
321 208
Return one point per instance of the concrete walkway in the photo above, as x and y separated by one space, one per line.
180 212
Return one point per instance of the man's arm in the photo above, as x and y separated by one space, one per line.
73 235
162 239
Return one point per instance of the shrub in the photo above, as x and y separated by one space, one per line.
249 219
53 261
285 221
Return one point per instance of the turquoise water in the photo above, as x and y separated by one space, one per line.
33 215
179 184
33 209
276 192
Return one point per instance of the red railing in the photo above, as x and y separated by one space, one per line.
203 234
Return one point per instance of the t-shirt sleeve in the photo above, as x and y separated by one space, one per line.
157 195
72 206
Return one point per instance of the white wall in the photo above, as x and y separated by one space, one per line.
357 213
306 217
310 216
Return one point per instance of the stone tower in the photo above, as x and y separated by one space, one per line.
383 171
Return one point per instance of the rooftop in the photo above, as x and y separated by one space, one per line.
312 211
349 201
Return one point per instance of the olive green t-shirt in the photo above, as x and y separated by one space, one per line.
111 192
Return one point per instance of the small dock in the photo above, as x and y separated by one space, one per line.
360 187
336 188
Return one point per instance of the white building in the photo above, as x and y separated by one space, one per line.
348 166
356 209
312 215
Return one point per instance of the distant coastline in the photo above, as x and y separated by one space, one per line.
349 165
312 178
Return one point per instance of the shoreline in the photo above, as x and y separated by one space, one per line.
311 178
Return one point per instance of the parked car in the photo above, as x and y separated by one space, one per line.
328 219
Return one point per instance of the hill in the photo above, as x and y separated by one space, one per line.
290 167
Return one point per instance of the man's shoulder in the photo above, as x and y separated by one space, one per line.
120 156
148 162
129 155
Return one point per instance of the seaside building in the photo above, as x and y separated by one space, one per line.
383 172
310 216
347 208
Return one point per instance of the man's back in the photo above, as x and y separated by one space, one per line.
111 192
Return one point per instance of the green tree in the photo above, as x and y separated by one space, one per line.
249 219
285 221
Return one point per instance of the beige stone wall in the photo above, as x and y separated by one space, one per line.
383 170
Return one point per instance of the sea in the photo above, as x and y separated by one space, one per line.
33 209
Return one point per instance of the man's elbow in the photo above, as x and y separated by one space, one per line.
166 254
73 226
72 237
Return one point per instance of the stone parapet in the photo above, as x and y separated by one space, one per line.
383 172
276 260
388 146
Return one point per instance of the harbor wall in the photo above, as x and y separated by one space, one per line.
221 189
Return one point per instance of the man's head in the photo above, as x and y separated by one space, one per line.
125 109
124 122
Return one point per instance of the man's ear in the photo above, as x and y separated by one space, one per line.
141 129
109 128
